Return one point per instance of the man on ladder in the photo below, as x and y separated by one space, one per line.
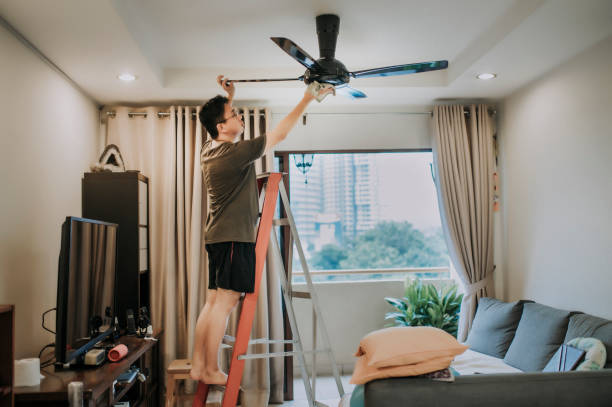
229 174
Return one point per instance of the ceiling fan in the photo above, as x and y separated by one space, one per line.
327 69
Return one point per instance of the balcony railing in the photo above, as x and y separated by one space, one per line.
373 274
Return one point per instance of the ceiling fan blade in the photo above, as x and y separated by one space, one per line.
349 92
296 52
301 78
400 69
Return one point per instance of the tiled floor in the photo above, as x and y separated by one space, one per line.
326 392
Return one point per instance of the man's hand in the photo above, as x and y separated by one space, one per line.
309 97
227 87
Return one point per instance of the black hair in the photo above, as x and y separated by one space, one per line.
212 113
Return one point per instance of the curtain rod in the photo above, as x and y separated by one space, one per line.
112 114
430 113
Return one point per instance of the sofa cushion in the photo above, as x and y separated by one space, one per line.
585 325
494 326
540 332
408 345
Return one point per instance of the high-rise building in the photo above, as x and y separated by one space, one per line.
338 191
340 186
366 192
350 190
306 200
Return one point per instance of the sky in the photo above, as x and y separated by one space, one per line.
406 189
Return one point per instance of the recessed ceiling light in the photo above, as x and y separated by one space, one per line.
485 76
128 77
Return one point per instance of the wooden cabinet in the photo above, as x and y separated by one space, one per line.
7 354
99 383
123 198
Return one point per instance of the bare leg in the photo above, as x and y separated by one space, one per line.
197 360
225 302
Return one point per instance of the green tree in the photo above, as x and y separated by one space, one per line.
387 245
371 254
328 258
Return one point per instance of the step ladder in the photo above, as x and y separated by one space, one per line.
270 184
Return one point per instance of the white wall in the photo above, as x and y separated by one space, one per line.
350 311
556 186
339 130
49 137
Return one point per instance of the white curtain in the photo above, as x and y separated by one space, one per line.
464 166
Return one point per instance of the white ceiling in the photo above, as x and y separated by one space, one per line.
176 48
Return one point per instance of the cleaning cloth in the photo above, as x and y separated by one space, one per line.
315 87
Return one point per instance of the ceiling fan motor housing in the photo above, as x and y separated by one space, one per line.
334 72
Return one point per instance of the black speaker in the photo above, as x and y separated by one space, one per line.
130 321
143 321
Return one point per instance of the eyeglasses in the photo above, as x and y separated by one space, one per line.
236 113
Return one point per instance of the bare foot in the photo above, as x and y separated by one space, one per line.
197 368
195 374
214 377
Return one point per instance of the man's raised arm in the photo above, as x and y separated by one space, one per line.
279 133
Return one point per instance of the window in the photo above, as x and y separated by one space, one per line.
367 215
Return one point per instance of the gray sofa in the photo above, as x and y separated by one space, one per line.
525 335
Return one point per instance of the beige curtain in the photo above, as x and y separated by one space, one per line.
167 149
192 266
262 382
464 166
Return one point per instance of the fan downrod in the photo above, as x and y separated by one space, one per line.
328 26
332 71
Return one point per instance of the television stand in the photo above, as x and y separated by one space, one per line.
99 383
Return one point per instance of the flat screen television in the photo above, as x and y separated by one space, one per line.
86 287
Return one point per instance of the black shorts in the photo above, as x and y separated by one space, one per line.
231 265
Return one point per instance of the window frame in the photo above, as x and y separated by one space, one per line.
284 162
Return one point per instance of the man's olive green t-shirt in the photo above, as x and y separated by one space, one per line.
229 175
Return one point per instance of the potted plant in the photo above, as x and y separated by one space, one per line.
424 305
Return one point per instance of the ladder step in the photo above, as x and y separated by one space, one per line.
300 294
227 340
264 341
281 222
279 354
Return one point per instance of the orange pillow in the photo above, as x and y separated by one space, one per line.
364 372
398 346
